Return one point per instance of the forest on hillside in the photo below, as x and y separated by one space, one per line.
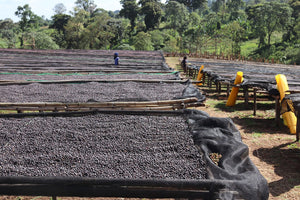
253 28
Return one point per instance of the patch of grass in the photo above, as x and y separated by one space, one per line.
295 145
256 135
173 62
248 46
7 111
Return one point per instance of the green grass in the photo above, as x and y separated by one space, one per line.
256 135
295 145
248 46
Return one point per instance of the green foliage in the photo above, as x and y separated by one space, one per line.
192 5
7 33
177 16
39 40
263 29
130 10
3 44
236 33
171 39
59 21
142 41
75 31
152 10
125 47
157 39
267 18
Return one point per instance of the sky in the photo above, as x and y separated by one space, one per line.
46 7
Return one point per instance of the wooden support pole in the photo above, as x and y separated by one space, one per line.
255 104
298 127
227 91
277 110
195 74
203 78
217 87
208 81
246 95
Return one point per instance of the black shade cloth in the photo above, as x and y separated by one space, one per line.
192 91
219 135
291 102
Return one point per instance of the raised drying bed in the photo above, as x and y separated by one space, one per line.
126 154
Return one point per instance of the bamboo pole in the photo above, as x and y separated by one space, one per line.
95 104
93 80
57 106
89 71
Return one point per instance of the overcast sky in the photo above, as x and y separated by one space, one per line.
45 7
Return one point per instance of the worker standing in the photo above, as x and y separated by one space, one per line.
184 64
116 58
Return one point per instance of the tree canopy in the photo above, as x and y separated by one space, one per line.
177 25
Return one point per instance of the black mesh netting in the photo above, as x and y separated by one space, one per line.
135 146
257 75
220 136
291 102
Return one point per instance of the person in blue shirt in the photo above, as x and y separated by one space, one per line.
116 57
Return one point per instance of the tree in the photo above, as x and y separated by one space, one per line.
234 8
7 32
130 10
152 9
59 9
157 39
292 29
267 18
59 22
217 5
75 31
142 41
235 32
28 19
87 5
177 15
40 40
105 32
192 4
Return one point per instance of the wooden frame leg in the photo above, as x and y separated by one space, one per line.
277 110
254 102
298 127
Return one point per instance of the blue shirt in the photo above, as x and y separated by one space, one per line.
117 60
